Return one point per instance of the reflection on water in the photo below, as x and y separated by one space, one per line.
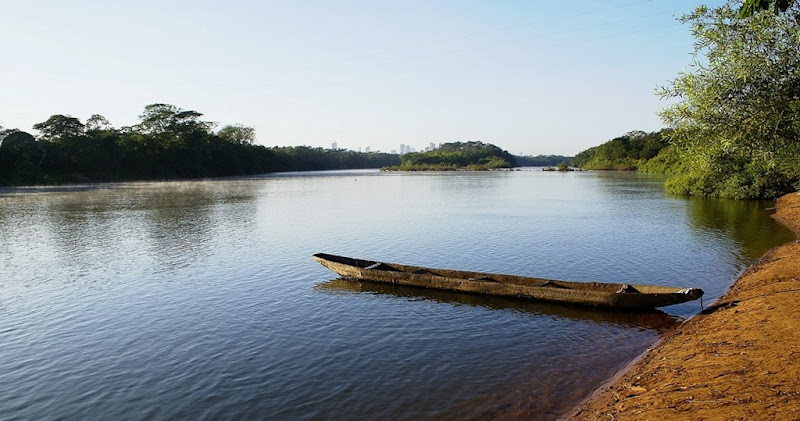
655 319
198 300
734 219
744 222
179 222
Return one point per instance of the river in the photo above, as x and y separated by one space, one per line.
199 299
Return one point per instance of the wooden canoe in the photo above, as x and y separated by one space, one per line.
598 294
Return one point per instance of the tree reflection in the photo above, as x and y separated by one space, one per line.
746 222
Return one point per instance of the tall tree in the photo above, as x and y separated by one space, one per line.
97 122
737 121
60 126
166 118
19 140
237 133
20 154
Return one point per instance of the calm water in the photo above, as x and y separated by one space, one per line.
199 300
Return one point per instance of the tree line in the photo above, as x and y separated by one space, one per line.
543 160
628 152
167 143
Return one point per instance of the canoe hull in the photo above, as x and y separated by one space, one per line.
609 295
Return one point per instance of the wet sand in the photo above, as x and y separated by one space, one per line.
739 359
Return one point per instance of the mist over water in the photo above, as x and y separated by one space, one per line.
199 299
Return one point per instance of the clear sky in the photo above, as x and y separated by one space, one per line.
533 77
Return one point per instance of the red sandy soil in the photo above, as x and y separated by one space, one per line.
739 360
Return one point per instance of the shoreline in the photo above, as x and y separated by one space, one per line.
737 359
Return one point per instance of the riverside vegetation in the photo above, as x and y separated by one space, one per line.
167 143
170 142
475 156
471 156
735 129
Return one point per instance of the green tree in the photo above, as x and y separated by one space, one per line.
169 143
21 157
97 123
751 7
166 118
20 141
473 154
583 157
627 152
737 122
542 160
60 126
237 133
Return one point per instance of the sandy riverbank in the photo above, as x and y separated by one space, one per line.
738 360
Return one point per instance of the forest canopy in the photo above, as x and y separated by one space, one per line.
167 143
627 152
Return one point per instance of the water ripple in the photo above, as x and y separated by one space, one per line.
198 300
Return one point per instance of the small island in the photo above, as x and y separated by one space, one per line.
562 166
457 156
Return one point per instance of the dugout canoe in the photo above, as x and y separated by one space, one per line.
598 294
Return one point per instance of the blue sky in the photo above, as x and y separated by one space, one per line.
533 77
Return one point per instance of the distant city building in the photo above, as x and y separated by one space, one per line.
404 149
367 149
334 146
